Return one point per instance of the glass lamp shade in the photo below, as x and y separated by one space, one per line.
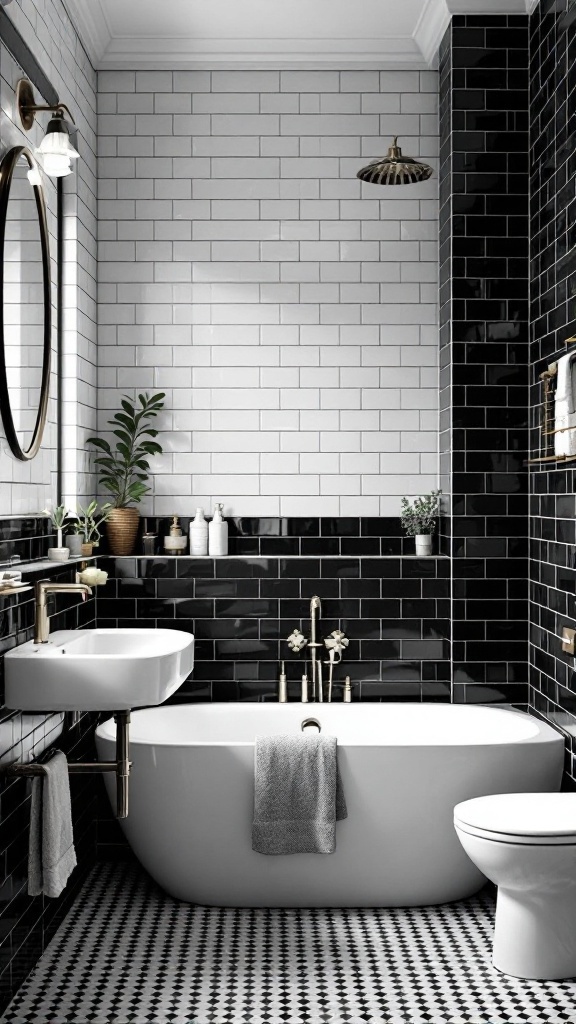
55 153
34 176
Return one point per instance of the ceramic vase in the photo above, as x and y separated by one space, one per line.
59 554
74 544
423 544
121 530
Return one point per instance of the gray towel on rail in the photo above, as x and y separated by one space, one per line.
51 855
298 796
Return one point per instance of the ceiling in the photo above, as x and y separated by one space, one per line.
292 33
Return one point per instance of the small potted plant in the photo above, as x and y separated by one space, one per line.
123 469
58 516
74 539
87 526
419 519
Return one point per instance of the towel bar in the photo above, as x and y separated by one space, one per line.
121 766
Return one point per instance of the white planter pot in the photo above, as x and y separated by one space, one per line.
74 543
58 554
423 544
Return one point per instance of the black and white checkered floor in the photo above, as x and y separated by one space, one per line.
128 954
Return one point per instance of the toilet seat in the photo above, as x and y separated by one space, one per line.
528 819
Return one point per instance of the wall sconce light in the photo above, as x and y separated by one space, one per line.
56 151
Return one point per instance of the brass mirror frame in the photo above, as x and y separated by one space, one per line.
7 168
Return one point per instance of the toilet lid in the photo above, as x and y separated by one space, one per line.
520 814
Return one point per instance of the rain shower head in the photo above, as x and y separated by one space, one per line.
395 169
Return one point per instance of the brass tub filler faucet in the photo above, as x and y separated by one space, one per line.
335 645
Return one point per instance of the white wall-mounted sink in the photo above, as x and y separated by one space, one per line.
98 669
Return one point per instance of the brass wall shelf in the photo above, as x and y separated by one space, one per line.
548 427
551 458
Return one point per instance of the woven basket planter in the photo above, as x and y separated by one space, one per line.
121 530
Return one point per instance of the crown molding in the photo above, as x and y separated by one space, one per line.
194 52
90 21
436 16
487 6
430 29
417 51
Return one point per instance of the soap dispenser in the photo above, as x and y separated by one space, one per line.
218 534
175 541
199 534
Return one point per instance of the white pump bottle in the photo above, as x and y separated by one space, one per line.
218 534
199 534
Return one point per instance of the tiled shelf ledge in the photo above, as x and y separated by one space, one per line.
43 564
244 558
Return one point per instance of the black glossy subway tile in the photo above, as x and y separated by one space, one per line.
223 588
360 546
341 568
251 568
196 567
385 608
363 588
227 629
270 588
258 608
279 546
174 588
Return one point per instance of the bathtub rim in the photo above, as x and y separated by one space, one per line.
545 733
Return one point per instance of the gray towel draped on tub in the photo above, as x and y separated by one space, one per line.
298 796
51 856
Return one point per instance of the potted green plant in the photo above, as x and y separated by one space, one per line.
74 539
58 516
88 523
123 469
419 519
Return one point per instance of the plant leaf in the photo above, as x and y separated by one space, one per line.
99 442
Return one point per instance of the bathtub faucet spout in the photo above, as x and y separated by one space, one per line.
334 644
315 613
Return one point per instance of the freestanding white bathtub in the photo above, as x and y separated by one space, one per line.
403 766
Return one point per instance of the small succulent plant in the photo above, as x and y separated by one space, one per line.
58 518
90 520
420 516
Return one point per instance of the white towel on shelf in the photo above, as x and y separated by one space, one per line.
51 855
565 406
298 795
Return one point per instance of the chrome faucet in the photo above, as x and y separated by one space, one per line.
43 588
315 613
335 645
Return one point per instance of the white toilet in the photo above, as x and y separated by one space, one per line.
526 844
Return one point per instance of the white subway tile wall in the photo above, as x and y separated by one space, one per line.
287 309
26 487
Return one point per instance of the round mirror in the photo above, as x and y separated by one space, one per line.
25 323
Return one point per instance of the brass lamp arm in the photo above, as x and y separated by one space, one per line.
33 108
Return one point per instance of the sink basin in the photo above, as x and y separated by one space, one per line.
98 669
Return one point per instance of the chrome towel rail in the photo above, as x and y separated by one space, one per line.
121 766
